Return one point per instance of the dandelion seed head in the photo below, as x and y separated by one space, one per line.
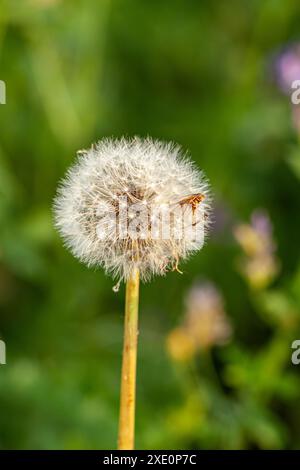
135 171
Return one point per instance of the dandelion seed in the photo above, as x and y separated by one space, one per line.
116 287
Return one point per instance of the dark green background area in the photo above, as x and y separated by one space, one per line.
195 72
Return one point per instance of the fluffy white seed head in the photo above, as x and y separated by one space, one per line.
133 203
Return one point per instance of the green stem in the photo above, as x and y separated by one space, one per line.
128 377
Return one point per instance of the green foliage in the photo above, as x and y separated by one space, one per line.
194 72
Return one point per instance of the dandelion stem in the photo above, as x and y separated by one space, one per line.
128 377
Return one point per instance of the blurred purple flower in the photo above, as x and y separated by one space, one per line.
261 222
287 67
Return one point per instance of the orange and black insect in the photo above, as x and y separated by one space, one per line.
193 200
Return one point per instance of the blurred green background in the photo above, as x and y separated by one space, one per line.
201 74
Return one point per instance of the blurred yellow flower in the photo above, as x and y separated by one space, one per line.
180 345
259 264
204 325
250 240
260 271
205 317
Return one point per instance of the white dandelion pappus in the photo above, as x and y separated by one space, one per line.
133 203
